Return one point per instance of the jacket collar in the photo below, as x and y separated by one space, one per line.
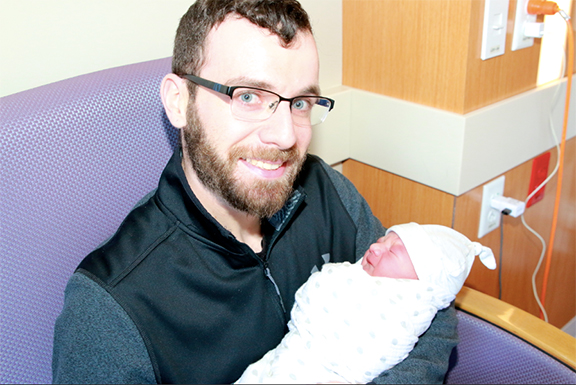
179 201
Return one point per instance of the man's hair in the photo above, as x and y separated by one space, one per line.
283 18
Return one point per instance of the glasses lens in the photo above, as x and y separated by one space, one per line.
320 110
310 111
253 104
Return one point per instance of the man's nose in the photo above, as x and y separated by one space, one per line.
280 129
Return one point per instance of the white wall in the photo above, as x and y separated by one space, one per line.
43 41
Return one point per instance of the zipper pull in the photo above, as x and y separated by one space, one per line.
269 276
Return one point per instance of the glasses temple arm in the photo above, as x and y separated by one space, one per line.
210 85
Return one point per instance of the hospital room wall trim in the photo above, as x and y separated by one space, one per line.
447 151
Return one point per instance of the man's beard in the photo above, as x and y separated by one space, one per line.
261 198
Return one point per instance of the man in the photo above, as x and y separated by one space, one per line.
199 280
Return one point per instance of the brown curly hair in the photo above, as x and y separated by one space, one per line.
284 18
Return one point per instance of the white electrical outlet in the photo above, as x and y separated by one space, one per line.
489 217
522 20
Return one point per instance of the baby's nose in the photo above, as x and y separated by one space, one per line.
377 249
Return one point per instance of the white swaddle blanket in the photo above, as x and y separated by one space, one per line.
348 326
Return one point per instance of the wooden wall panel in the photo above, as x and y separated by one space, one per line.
410 50
428 52
395 199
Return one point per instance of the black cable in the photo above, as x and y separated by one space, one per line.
504 212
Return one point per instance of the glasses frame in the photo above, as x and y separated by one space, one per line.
229 91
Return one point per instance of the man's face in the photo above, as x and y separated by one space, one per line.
250 165
388 257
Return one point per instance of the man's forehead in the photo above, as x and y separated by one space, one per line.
237 31
236 21
236 48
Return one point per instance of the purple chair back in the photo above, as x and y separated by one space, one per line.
488 354
75 156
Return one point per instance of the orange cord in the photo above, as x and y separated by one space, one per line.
550 8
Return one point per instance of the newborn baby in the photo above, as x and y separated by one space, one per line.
350 322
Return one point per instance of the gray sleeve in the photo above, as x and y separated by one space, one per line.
427 363
369 228
95 341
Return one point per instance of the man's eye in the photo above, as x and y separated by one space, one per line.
248 97
301 104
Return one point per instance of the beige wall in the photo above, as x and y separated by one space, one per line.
43 41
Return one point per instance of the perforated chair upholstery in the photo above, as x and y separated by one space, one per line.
75 156
487 354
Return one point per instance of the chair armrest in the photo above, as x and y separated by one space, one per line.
532 329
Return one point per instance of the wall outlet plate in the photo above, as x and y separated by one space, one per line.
519 39
490 217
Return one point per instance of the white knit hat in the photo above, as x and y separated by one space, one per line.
442 255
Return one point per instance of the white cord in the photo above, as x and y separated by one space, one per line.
556 142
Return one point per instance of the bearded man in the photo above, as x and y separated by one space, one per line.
199 280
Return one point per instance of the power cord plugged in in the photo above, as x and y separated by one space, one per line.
534 30
542 7
508 206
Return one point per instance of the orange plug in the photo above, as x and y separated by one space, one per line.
541 7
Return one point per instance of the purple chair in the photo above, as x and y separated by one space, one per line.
501 344
75 156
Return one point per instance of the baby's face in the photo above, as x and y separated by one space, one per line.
388 257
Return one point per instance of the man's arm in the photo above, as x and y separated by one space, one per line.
95 341
427 363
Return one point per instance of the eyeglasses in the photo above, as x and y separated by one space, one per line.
255 105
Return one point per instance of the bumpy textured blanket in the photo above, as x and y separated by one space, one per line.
347 326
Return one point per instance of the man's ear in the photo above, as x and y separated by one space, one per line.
174 94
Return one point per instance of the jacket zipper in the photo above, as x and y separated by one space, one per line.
264 261
269 276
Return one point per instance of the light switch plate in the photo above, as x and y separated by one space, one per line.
494 28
